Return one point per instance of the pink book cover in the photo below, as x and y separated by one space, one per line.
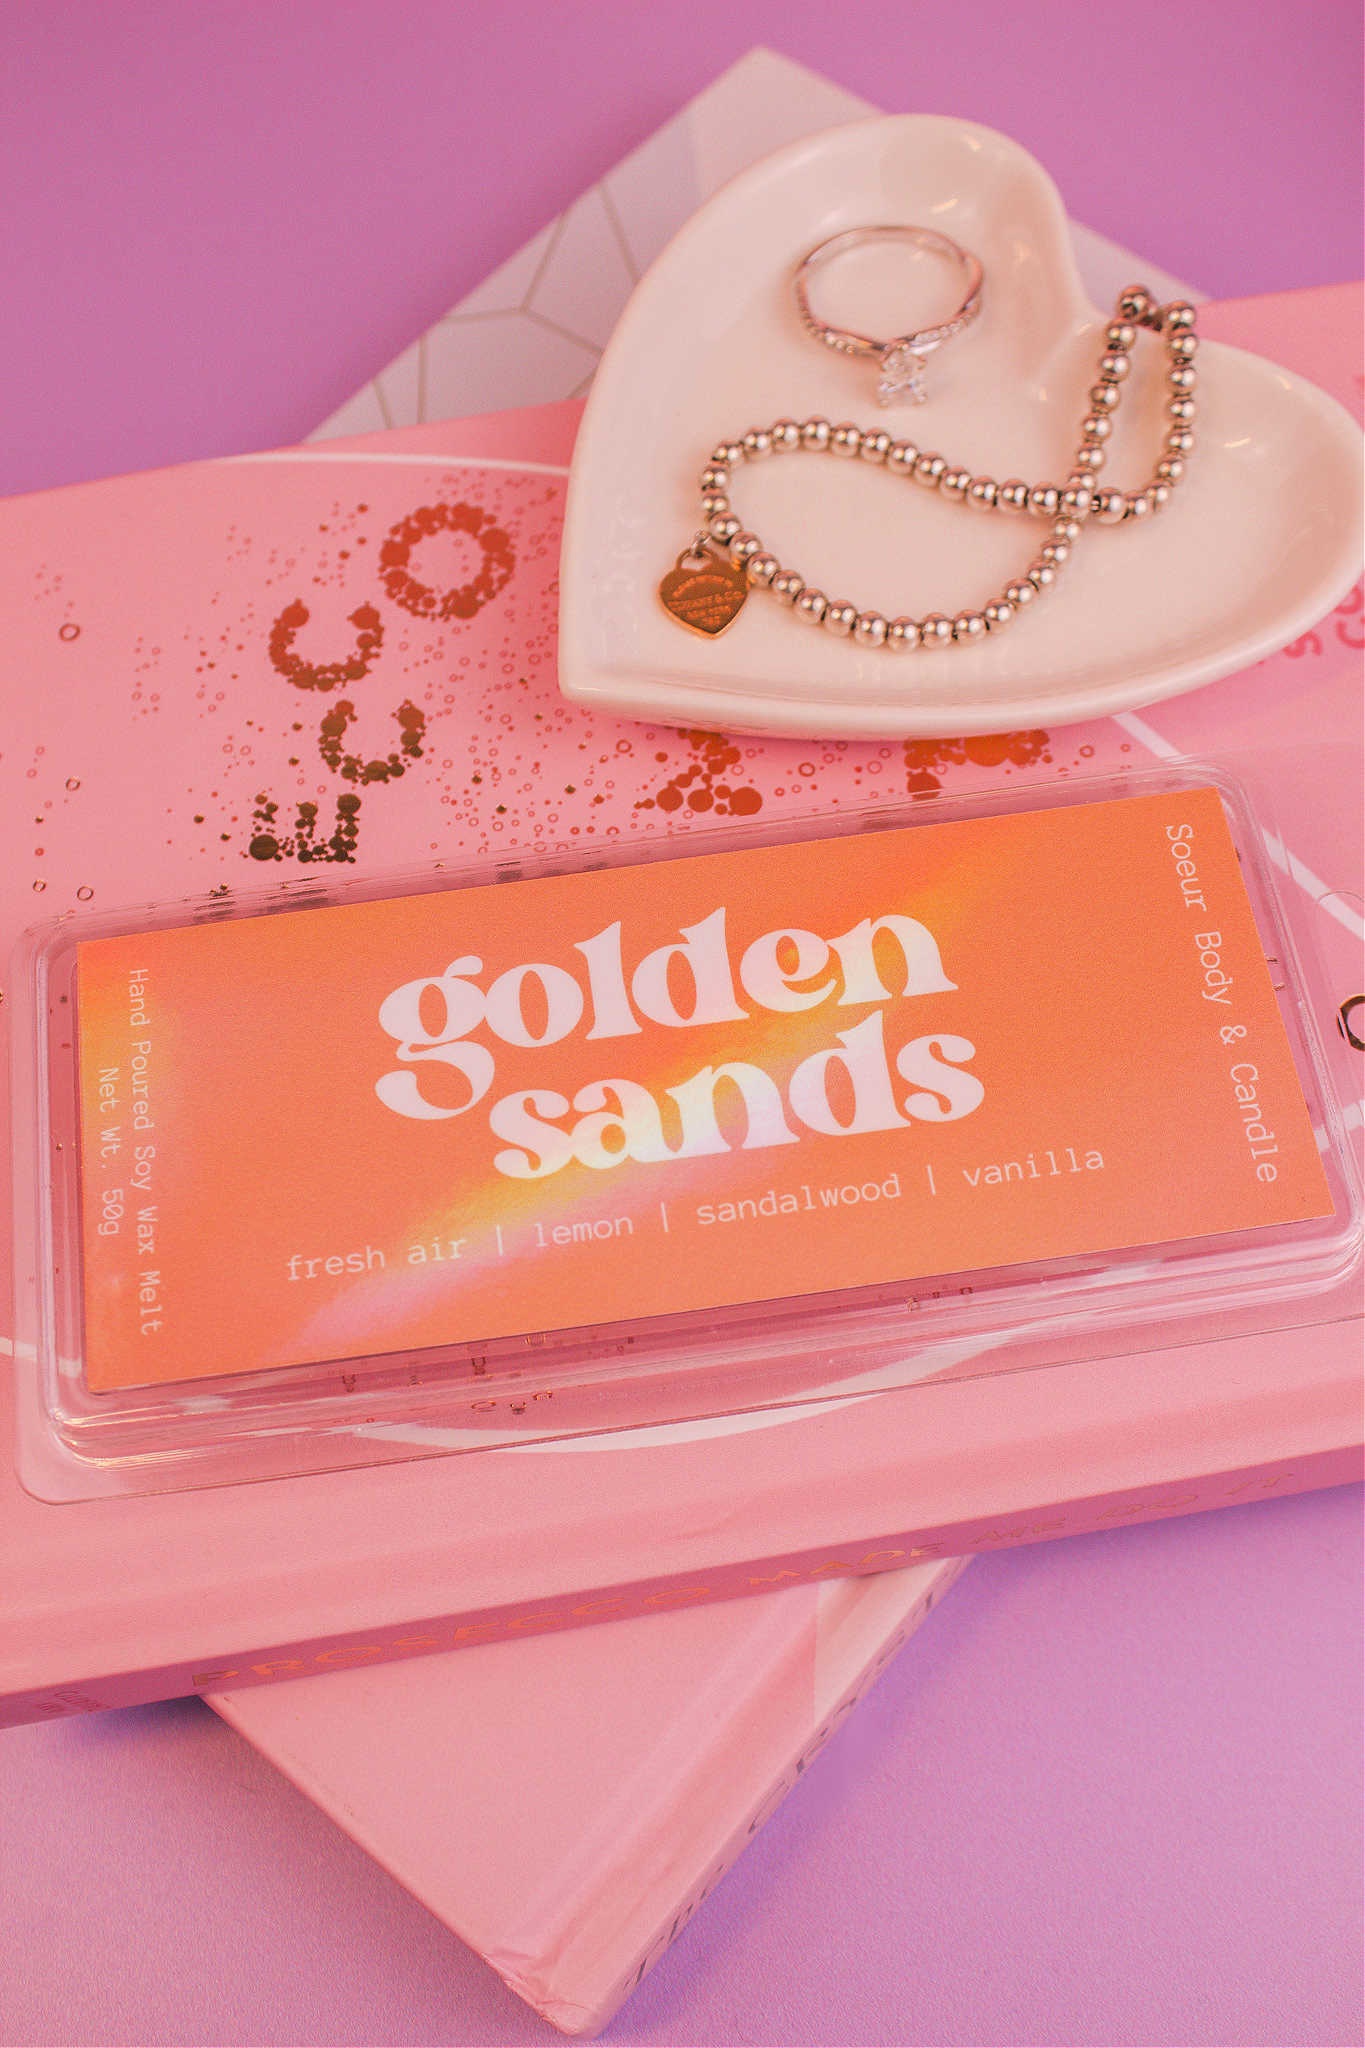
567 1805
210 617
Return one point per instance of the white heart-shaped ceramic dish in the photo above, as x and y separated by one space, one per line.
1262 537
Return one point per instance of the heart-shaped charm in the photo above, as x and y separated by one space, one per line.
1261 539
704 593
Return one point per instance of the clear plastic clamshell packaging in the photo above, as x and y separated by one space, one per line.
551 1147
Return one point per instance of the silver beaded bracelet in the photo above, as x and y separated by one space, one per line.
712 577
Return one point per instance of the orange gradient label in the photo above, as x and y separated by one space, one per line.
441 1119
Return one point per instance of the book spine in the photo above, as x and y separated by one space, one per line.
77 1692
577 2021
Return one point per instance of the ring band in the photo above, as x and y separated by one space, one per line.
900 360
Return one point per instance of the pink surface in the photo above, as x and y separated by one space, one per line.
1110 1795
231 216
1116 1797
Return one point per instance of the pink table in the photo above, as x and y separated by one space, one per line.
1112 1794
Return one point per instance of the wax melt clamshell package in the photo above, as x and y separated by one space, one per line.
343 1174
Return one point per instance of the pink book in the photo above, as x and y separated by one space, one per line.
107 580
565 1806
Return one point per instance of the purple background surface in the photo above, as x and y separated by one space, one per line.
1112 1793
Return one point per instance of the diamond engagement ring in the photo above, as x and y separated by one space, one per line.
900 361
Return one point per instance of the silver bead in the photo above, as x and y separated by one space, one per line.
716 477
955 483
1090 457
758 441
1137 505
1104 397
981 492
1021 593
743 545
815 433
1179 315
1096 426
840 618
1170 469
1114 366
902 457
786 434
727 452
969 626
723 527
1042 575
1160 495
1078 497
1122 336
1182 377
761 569
1183 347
1137 304
936 631
1109 507
869 629
998 614
1045 500
1056 552
1182 410
1012 495
1180 440
902 635
846 439
714 504
930 470
1066 529
876 447
810 606
786 586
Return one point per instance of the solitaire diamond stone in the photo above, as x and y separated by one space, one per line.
902 377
